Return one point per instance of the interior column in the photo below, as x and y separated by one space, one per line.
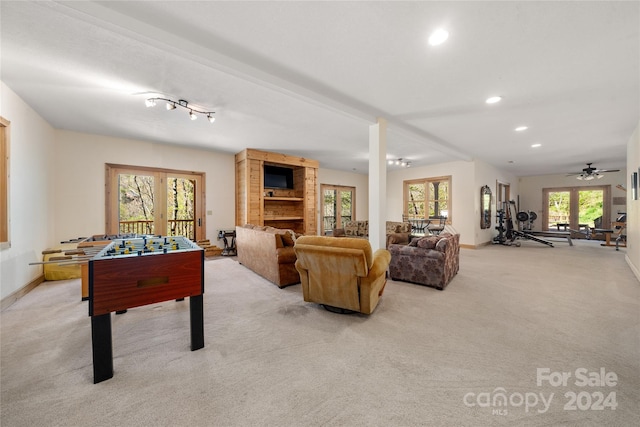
377 184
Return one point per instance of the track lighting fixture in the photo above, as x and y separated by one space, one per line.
171 105
400 162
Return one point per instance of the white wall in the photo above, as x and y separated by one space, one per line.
531 190
79 176
633 206
462 189
31 192
348 179
486 174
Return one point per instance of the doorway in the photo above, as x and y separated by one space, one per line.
338 207
577 209
155 201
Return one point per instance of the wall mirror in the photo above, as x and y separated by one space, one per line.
485 207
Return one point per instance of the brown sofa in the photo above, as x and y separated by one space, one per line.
429 260
342 274
269 252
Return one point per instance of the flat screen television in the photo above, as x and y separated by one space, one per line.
278 177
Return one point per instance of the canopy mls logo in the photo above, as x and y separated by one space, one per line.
590 397
499 400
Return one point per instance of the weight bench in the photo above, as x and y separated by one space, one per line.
608 232
560 234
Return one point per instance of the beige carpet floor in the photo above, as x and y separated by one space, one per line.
509 324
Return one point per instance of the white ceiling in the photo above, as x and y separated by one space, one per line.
309 78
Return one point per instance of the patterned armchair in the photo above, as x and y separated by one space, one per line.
353 229
396 231
429 260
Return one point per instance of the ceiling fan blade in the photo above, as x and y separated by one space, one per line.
606 170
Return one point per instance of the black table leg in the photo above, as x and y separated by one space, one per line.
102 347
197 322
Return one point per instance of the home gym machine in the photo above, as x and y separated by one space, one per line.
507 234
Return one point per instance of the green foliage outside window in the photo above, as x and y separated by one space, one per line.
436 199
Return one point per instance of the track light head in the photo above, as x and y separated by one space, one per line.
192 116
151 102
211 118
171 106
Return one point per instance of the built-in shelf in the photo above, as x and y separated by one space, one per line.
291 208
284 199
283 218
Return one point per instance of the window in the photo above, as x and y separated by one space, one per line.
338 206
4 182
155 201
428 197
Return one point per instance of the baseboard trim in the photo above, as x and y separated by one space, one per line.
465 246
633 268
15 296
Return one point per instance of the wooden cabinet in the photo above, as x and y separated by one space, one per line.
291 208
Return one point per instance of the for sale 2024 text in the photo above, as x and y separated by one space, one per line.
587 398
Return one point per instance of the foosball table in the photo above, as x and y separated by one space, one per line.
133 272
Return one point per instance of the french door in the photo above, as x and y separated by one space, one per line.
154 201
338 206
576 208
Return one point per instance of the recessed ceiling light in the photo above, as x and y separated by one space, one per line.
493 99
521 128
439 36
536 145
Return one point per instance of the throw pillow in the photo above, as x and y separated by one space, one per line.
393 227
279 243
428 242
288 238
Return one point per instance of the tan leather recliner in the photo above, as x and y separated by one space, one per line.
341 273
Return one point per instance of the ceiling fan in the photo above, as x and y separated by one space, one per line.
590 173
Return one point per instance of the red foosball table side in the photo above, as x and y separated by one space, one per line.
119 283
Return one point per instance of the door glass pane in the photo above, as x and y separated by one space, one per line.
180 207
329 211
559 210
346 206
416 201
590 208
135 204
